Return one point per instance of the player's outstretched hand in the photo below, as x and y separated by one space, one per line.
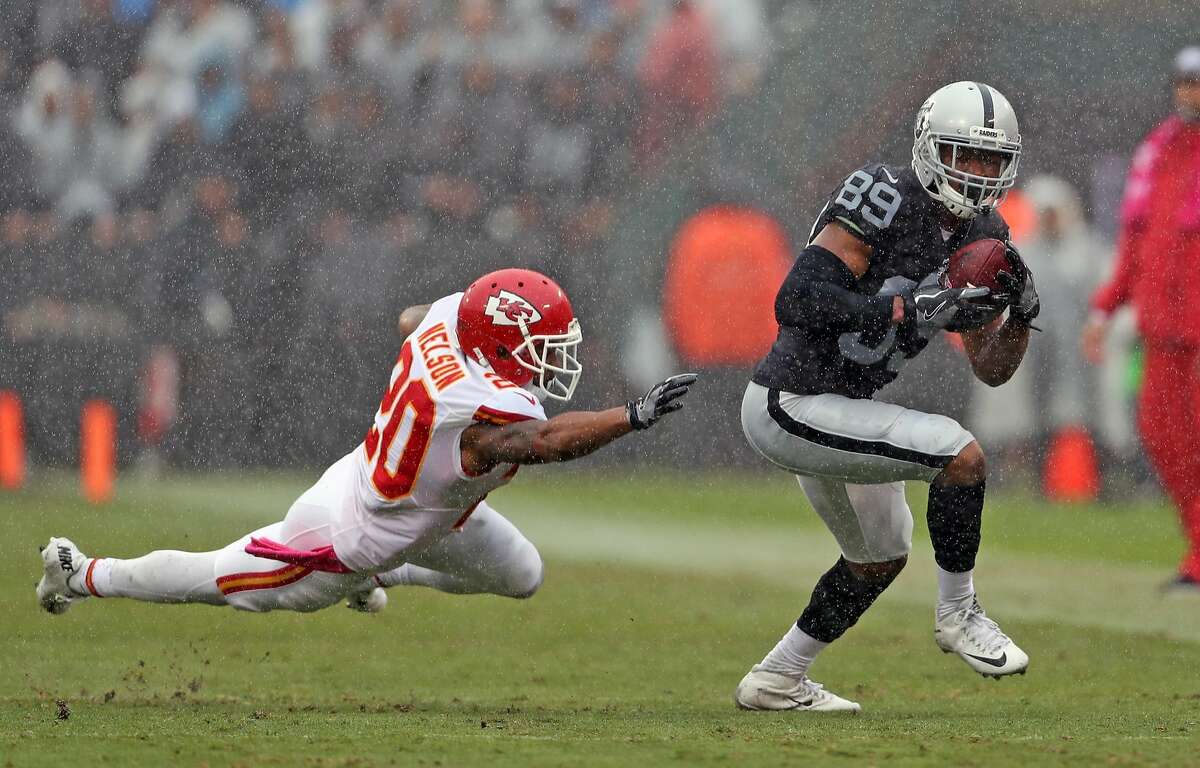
936 307
661 399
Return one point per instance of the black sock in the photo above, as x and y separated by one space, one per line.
955 517
838 600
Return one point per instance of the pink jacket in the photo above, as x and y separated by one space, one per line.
1158 256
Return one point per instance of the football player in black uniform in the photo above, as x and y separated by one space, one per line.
864 297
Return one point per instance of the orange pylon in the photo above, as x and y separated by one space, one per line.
1072 472
98 451
12 441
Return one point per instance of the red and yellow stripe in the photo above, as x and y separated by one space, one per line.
281 577
498 417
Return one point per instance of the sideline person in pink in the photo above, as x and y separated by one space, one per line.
1158 273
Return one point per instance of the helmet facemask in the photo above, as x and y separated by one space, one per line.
553 360
937 156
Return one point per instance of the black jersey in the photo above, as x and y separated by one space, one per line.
889 210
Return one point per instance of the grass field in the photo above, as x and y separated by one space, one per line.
658 597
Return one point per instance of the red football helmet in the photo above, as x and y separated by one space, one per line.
520 323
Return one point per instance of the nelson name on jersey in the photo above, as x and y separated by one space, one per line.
886 207
443 363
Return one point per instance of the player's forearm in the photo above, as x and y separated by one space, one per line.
578 433
818 292
563 438
996 355
569 435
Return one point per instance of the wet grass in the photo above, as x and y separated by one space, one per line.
622 658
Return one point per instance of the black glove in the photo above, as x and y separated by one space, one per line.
935 308
659 401
1023 301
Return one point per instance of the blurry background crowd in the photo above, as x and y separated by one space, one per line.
258 188
211 211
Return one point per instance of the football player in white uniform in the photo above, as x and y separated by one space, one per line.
462 412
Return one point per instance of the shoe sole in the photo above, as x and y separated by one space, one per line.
1010 674
829 712
56 605
738 703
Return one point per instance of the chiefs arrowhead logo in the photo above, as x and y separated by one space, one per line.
507 308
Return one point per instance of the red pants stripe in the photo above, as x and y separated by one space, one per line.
1169 422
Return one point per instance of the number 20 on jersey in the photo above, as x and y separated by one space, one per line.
404 398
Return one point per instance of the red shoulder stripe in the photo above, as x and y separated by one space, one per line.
496 416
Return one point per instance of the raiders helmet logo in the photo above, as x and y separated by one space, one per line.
923 118
507 308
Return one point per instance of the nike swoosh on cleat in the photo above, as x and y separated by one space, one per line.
994 662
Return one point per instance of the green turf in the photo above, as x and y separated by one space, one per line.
658 597
1141 532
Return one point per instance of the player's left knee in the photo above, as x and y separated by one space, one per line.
878 573
969 467
524 576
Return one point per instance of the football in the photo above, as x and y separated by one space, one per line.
978 264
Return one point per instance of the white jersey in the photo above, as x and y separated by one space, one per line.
405 485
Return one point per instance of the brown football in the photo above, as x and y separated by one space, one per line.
977 264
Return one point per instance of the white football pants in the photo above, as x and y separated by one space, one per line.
488 555
851 457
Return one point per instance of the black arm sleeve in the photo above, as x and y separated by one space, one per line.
818 293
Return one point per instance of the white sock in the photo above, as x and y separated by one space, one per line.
793 654
165 576
78 581
954 588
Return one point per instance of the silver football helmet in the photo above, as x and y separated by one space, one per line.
965 115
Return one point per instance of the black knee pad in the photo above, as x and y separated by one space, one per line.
839 599
955 521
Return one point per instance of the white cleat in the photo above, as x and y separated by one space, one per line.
762 690
979 642
371 600
61 559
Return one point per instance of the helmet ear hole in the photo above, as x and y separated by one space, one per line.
502 352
